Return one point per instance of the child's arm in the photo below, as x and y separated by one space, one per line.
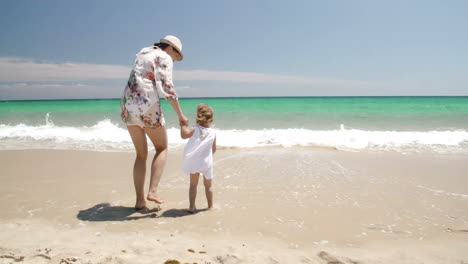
186 132
213 148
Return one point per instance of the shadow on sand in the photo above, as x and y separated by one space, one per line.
174 213
107 212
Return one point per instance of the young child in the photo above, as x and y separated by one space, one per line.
198 154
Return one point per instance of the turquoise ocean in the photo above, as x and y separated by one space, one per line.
375 124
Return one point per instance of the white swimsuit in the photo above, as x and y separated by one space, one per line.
198 153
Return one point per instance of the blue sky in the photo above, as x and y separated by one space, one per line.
85 49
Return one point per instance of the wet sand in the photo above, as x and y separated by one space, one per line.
273 205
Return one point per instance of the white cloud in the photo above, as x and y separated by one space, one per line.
27 70
254 77
44 85
183 87
33 91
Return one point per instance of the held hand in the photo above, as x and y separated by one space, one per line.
183 121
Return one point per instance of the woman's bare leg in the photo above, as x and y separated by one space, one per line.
193 191
208 192
139 168
159 138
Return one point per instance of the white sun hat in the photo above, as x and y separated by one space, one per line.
174 42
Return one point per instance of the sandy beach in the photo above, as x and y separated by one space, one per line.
273 205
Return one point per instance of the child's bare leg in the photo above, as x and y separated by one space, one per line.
208 192
193 191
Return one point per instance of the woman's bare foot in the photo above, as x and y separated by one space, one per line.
154 199
140 205
191 210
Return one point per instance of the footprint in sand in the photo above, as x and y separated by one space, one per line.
330 259
228 259
13 257
39 259
43 253
69 260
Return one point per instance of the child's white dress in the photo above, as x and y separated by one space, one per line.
198 154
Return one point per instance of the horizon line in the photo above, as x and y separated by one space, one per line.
241 97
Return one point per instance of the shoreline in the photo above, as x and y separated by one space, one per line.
289 205
178 147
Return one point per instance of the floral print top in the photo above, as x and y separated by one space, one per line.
150 78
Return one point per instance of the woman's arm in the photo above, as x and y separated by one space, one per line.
163 73
213 148
186 132
176 106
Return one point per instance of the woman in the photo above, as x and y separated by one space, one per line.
150 78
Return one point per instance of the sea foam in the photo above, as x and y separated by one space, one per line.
107 136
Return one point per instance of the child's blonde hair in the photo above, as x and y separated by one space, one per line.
204 115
